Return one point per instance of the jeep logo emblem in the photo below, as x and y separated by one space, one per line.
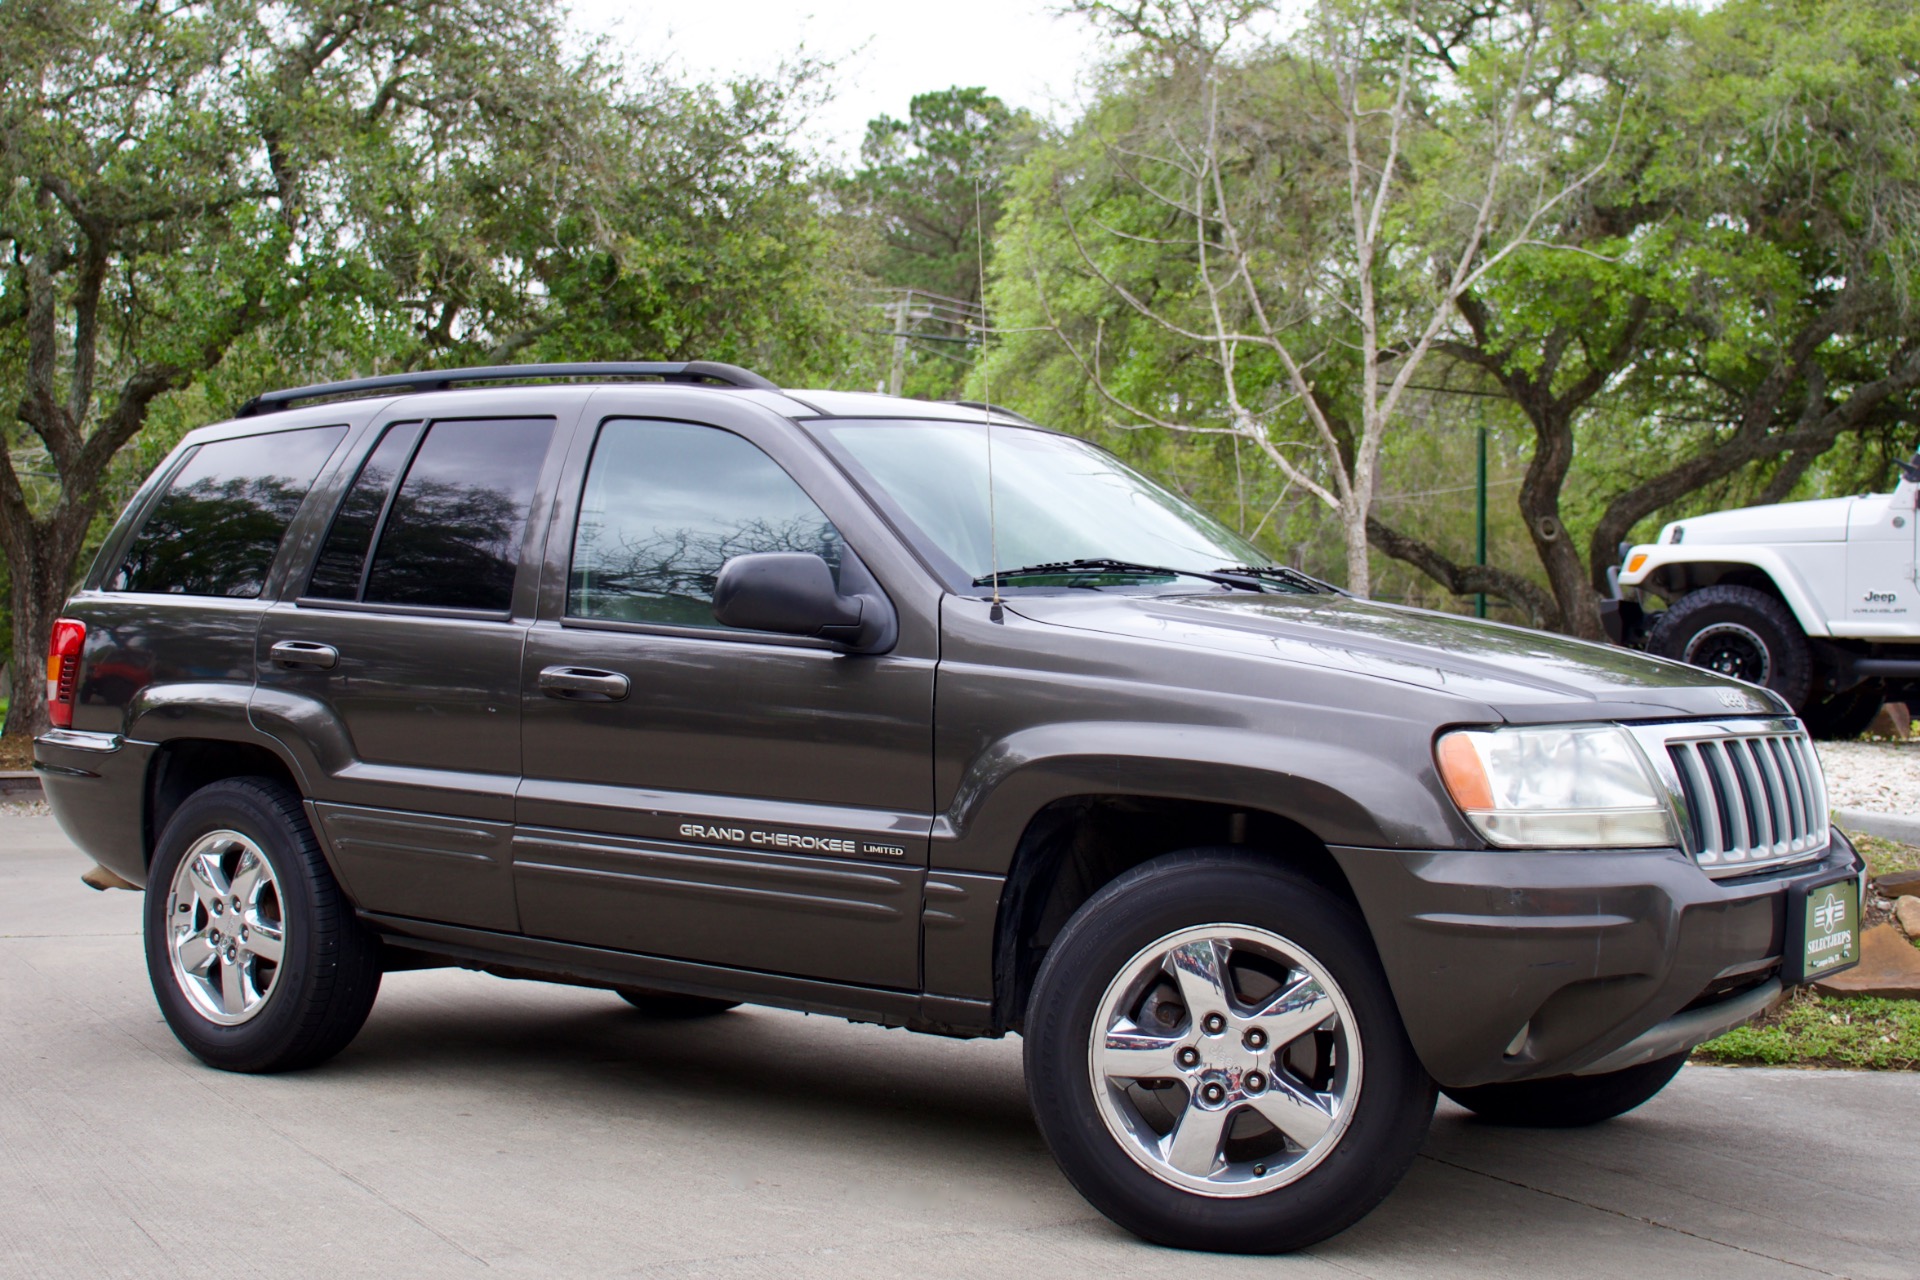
1733 699
1879 597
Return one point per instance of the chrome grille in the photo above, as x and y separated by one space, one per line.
1749 795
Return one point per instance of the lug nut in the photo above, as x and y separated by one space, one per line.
1188 1057
1214 1024
1213 1093
1255 1082
1256 1039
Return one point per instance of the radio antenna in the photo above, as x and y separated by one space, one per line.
998 612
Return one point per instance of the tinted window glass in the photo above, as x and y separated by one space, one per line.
218 527
666 505
452 538
336 574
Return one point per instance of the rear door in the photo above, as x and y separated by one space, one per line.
397 668
707 794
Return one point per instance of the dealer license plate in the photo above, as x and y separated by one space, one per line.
1830 928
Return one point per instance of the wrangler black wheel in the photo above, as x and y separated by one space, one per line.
1741 632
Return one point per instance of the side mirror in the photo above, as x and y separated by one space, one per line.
792 592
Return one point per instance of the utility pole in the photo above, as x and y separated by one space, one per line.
897 371
1480 521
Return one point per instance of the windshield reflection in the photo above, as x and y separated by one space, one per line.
1054 499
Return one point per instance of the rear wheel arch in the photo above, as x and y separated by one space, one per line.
181 766
1076 845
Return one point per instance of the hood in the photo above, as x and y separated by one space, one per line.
1525 676
1822 520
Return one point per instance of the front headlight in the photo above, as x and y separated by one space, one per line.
1574 785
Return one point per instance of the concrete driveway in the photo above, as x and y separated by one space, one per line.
480 1126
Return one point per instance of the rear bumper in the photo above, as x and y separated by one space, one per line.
95 783
1516 965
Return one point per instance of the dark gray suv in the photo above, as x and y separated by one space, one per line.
661 679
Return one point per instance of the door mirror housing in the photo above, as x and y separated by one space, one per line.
793 593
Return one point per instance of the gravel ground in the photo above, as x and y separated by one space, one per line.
1879 777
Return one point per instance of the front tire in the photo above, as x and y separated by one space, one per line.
255 955
1569 1102
1740 632
1215 1060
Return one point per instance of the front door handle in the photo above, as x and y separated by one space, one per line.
583 684
304 653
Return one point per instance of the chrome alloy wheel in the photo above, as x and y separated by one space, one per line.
1225 1060
226 929
1732 650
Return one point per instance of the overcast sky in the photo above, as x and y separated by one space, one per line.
887 52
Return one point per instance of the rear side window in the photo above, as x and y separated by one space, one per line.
668 503
218 526
449 535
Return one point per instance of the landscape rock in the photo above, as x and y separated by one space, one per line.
1893 721
1907 912
1889 968
1898 884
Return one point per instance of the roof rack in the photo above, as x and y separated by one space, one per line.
1002 410
689 371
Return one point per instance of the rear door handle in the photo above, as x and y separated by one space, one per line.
304 653
583 684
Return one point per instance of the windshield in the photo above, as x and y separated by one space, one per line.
1055 499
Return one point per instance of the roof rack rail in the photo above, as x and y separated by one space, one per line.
1002 410
689 371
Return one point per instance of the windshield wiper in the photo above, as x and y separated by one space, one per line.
1284 573
1103 566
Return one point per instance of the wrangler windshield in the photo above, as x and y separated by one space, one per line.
1056 499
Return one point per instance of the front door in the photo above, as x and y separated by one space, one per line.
398 667
701 793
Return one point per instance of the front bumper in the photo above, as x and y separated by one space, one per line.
1523 964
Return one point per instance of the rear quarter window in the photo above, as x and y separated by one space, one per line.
218 526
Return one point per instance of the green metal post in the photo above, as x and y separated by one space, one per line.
1480 522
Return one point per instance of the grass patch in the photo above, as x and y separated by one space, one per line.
1812 1030
1885 856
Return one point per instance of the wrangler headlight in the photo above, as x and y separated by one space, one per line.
1584 785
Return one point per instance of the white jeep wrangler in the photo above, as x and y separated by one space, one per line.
1818 601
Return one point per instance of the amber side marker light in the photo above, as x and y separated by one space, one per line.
63 670
1635 561
1463 773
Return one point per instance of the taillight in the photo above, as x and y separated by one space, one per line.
63 670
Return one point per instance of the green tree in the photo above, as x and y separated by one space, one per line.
927 194
1731 299
1290 225
198 200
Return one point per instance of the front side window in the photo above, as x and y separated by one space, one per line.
449 536
666 504
218 527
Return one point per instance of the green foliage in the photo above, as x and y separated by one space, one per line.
1812 1030
926 195
196 202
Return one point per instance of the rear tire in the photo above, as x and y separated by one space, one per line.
671 1006
1569 1102
1844 716
1269 1122
256 957
1740 632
